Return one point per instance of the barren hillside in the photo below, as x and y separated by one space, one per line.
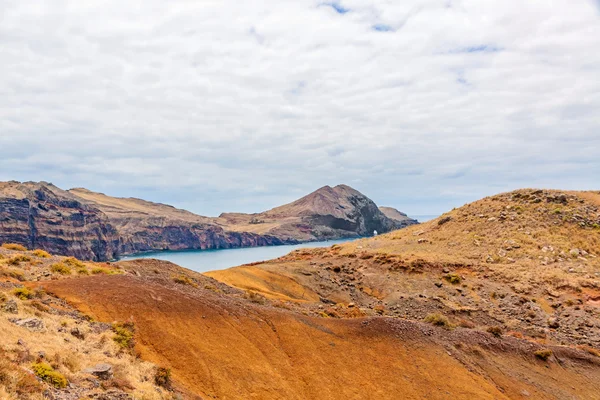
526 262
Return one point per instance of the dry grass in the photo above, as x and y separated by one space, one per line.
14 246
60 268
65 356
185 280
438 320
41 254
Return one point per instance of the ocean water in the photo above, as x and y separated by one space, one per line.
210 260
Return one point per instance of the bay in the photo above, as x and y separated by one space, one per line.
210 260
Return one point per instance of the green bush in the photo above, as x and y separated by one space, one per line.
46 373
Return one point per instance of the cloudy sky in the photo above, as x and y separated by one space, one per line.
243 105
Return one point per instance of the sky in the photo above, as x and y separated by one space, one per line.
241 106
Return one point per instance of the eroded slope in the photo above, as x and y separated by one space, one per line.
525 262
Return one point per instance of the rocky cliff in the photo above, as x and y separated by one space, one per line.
93 226
40 215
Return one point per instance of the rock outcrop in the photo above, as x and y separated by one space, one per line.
93 226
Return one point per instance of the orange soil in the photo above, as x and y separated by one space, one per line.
225 348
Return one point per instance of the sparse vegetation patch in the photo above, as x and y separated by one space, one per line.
18 259
184 280
14 246
438 320
41 253
46 373
24 293
124 334
60 268
453 278
543 354
162 377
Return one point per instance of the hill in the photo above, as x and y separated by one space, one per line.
94 226
526 262
327 213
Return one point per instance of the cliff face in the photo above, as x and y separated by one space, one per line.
146 226
191 237
93 226
40 215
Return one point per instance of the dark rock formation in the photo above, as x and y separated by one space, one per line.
40 215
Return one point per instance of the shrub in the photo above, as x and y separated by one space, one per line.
162 377
2 297
97 271
495 330
17 260
41 253
255 297
83 271
543 354
73 262
13 274
438 320
453 278
23 293
60 268
124 334
184 280
14 246
46 373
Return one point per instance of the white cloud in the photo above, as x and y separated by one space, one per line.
220 105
